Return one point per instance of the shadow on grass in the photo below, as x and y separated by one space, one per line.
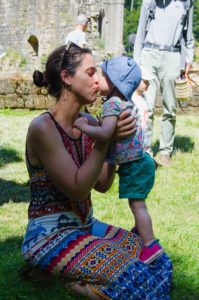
8 155
12 191
181 143
13 286
185 279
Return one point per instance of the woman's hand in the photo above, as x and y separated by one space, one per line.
126 124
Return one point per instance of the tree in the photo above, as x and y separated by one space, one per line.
196 20
131 19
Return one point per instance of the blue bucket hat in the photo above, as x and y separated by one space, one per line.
124 73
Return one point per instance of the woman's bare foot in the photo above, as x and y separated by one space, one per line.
84 290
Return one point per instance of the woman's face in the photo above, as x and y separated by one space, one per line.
85 82
105 85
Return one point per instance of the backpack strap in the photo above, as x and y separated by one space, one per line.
150 14
187 5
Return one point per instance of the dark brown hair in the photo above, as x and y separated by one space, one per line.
67 57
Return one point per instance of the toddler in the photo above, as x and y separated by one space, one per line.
120 78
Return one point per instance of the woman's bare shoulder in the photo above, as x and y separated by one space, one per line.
42 124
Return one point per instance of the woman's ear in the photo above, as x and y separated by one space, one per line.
65 77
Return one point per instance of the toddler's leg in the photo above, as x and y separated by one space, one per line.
152 249
142 220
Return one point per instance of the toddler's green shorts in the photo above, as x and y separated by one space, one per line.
136 178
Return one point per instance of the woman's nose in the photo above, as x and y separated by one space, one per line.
96 79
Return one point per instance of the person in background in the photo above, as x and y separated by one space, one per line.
164 45
78 36
98 260
140 102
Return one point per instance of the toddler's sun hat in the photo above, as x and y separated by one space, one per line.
124 73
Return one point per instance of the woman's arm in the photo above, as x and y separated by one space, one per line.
76 183
106 178
45 142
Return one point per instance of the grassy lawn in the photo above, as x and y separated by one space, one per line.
173 204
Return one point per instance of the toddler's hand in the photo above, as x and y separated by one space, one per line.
80 123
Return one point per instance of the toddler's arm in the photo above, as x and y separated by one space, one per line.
100 133
91 119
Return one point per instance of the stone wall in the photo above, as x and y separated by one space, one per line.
19 92
31 29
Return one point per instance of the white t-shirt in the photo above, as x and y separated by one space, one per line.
141 104
142 107
77 37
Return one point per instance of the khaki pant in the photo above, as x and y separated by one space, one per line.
165 66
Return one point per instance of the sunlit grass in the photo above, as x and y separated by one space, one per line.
173 204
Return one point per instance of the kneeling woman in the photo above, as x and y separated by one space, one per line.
64 165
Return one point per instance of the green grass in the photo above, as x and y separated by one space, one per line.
173 204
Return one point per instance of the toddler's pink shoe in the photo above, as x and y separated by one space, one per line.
151 252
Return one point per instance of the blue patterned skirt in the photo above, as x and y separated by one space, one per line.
106 258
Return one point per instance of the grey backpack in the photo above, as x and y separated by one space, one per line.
151 15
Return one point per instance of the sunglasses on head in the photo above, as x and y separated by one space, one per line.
70 49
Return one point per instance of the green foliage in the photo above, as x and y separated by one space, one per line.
15 58
196 54
128 4
16 112
131 19
196 20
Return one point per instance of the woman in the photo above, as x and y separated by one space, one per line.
62 235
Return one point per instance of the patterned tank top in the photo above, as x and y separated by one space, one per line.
49 209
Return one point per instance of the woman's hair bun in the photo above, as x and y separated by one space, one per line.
39 78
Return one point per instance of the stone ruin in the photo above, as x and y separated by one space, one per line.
31 29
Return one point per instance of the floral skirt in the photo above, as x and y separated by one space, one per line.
106 258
